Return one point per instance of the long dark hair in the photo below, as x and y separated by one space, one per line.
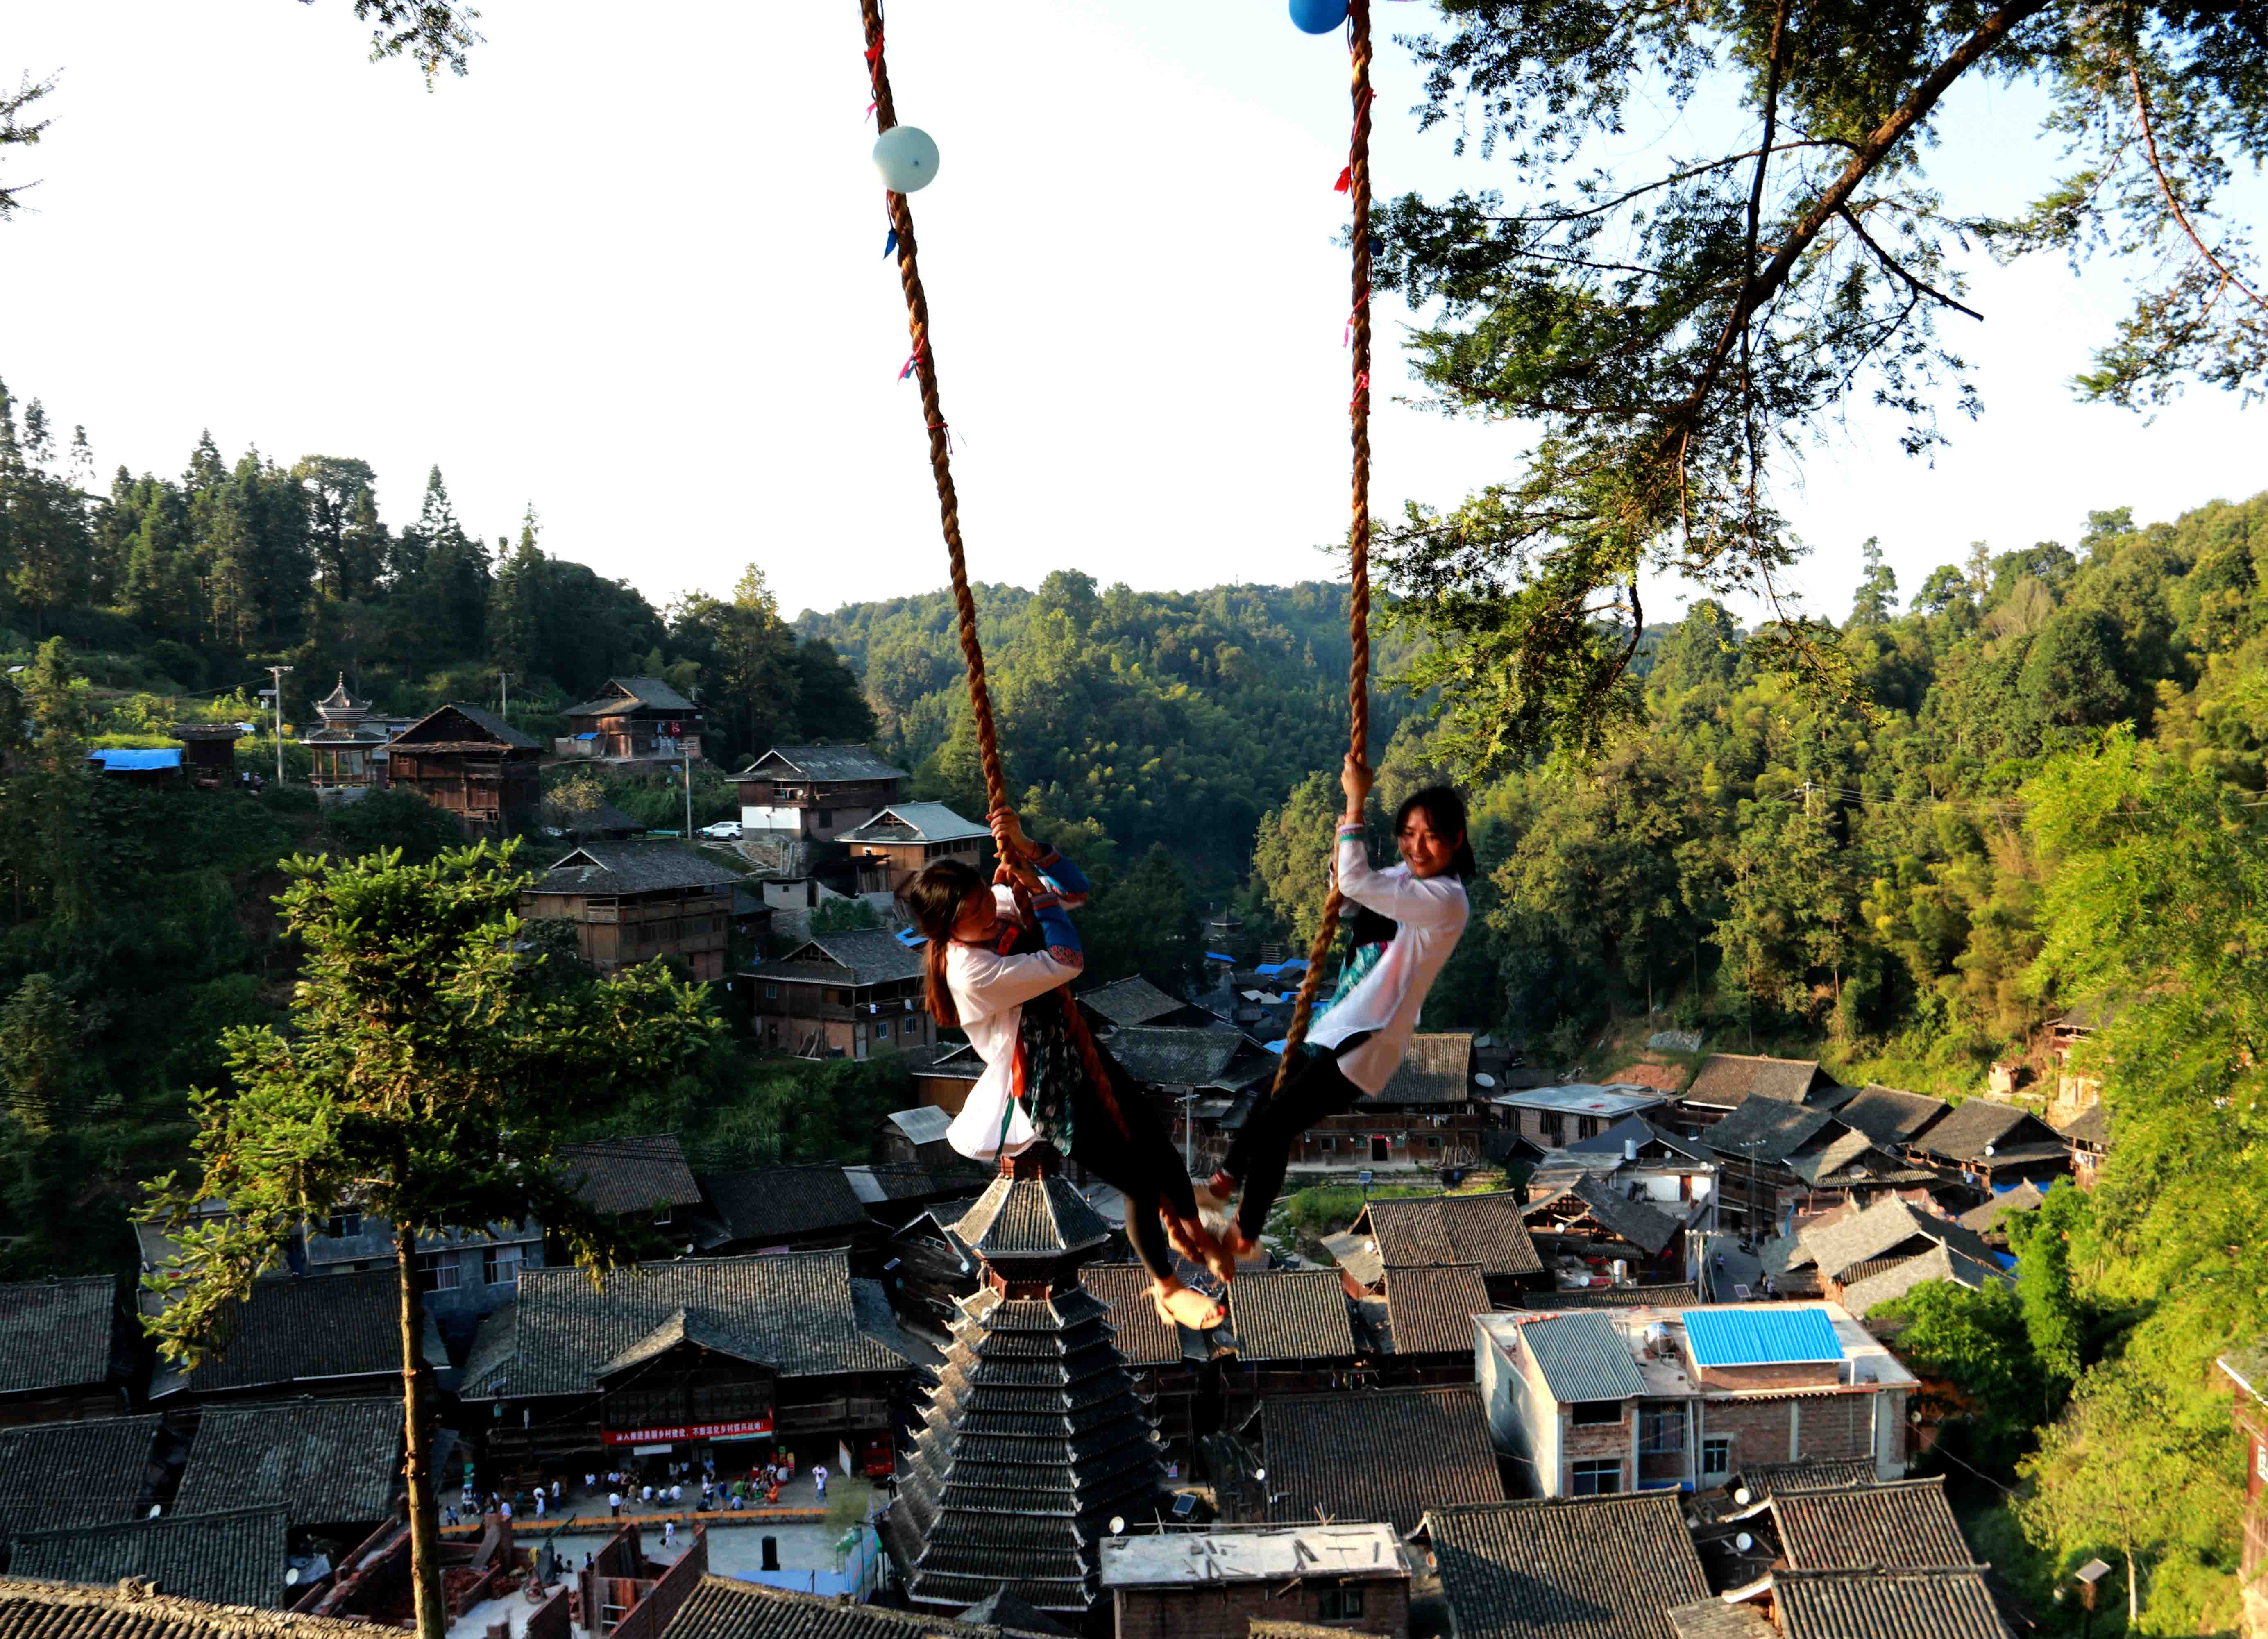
933 898
1445 812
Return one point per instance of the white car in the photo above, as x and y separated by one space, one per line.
723 831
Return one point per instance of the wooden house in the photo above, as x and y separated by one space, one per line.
473 764
633 902
137 765
208 753
2087 1137
331 1336
345 749
842 995
1292 1332
780 1209
1991 1146
816 793
1726 1081
1273 1581
1440 1231
634 719
642 1180
888 850
1592 1220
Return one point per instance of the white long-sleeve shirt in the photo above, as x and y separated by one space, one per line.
990 991
1430 914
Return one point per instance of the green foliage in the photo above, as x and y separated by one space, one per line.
2053 1324
1976 1343
396 819
840 916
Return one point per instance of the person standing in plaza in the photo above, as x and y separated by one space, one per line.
615 1503
819 1479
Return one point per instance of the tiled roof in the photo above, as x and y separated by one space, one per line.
724 1607
1887 1225
792 1310
859 956
1969 1128
1485 1230
1377 1454
1567 1568
57 1334
1901 1522
1582 1357
923 1124
297 1327
1821 1165
826 763
1044 1217
442 732
1431 1308
780 1203
1358 1255
1663 1078
1640 1224
1714 1618
1890 1115
1167 1055
1934 1602
1622 1297
1762 1479
324 1462
636 692
1134 1000
625 1175
1436 1069
1002 1609
1787 1334
1766 1130
916 822
1143 1339
232 1558
1861 1297
60 1474
1610 1142
1290 1314
1731 1078
2091 1126
56 1610
631 867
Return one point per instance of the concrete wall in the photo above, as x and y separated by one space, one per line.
1227 1610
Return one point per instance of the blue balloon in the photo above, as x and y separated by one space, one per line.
1318 16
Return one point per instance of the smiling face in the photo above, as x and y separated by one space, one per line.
1427 850
979 919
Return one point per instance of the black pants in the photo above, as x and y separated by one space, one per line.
1263 1146
1139 1164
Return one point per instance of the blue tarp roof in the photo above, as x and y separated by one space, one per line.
1215 955
115 757
588 734
1293 965
910 937
1755 1337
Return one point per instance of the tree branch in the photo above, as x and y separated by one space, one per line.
2173 201
1912 283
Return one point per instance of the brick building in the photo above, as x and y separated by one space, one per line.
1595 1401
1348 1578
65 1349
1552 1117
2246 1371
842 995
464 1274
633 902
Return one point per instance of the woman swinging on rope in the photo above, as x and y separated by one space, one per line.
1410 919
991 972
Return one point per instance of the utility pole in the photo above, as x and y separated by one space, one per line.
276 675
504 700
688 796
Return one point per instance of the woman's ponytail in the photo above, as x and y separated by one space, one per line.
934 898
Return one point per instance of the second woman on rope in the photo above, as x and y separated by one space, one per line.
991 973
1410 919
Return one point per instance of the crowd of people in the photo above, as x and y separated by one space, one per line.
681 1484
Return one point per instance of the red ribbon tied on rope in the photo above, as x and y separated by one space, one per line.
913 359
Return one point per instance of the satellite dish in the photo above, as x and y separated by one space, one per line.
1744 1542
291 1576
1989 1149
1118 1525
1743 1497
155 1509
1260 1474
1484 1080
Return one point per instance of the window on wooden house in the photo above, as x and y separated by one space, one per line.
344 1225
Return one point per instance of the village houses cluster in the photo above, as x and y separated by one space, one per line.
1649 1389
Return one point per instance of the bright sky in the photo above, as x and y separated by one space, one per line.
637 278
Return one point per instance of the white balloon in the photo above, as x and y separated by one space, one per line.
906 157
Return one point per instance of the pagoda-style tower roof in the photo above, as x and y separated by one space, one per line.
1034 1439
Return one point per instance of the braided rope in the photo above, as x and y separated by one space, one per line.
924 360
1358 593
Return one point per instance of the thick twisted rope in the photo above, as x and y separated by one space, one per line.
948 505
1358 593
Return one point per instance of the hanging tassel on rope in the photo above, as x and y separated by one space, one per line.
1356 183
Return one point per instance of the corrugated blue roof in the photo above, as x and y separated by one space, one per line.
1760 1337
1215 955
1582 1357
134 758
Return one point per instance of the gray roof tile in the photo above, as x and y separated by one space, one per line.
232 1558
1890 1115
1970 1126
1134 1000
1947 1602
1436 1069
59 1610
633 692
792 1310
1902 1522
74 1473
1174 1055
1377 1454
633 1174
916 822
1733 1078
1290 1314
782 1203
861 957
632 868
727 1608
823 763
1567 1568
1640 1224
1889 1223
1143 1339
445 726
1485 1230
1430 1309
57 1334
297 1328
324 1462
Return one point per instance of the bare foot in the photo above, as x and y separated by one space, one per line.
1179 1306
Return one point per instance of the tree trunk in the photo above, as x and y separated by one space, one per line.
417 1439
2134 1602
